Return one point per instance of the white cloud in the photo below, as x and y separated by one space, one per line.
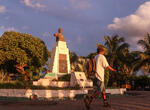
11 29
2 9
2 27
34 4
46 34
80 4
133 26
8 28
25 27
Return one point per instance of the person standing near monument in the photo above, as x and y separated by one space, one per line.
101 64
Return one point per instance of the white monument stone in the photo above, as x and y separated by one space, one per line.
60 61
80 79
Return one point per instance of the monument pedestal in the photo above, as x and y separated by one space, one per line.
60 61
79 78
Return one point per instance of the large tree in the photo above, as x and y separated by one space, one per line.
116 47
145 43
19 48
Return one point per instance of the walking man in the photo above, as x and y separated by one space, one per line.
101 64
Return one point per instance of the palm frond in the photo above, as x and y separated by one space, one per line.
108 42
148 37
123 46
145 43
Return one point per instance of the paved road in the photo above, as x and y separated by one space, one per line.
140 101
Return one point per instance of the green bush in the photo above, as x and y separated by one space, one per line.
54 88
142 81
13 85
106 77
65 77
22 85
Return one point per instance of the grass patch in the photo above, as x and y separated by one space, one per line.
66 77
13 85
22 85
14 98
54 88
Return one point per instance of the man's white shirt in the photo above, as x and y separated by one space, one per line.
101 64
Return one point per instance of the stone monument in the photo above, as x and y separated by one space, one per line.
79 78
60 61
60 65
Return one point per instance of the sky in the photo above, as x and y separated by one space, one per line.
84 22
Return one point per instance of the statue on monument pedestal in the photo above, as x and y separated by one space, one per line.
60 62
59 36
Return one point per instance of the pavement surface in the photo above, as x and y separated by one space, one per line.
135 100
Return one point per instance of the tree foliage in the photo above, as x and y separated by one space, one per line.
73 57
19 48
115 46
145 61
